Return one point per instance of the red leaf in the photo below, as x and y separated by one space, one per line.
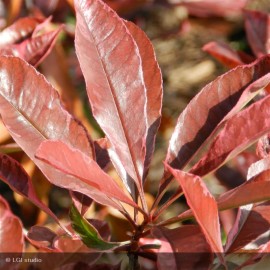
223 53
255 223
73 162
114 81
255 190
11 230
201 202
257 26
13 174
81 201
216 102
18 31
32 112
33 50
153 82
240 131
182 248
42 238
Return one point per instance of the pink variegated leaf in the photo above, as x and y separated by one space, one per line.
32 112
257 26
255 190
73 162
11 230
251 224
182 248
201 201
153 83
216 102
111 64
239 132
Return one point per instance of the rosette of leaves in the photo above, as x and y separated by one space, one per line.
124 87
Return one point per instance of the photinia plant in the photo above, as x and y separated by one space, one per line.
124 88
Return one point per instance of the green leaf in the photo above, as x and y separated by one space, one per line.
88 233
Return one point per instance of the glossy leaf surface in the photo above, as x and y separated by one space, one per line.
32 112
153 83
218 100
74 162
201 201
11 230
239 132
112 68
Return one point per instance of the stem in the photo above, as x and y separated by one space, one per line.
143 201
128 217
133 261
171 200
166 180
186 215
136 210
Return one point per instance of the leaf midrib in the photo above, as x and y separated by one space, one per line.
115 102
